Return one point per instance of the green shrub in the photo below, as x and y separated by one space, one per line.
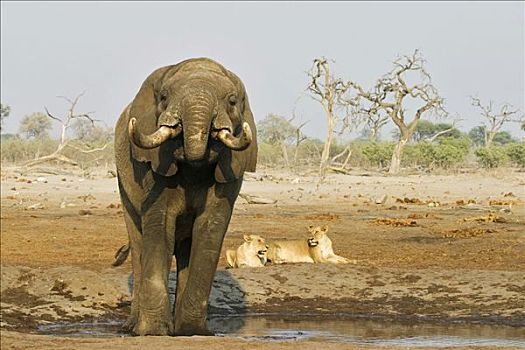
516 153
447 155
379 153
412 155
451 151
269 154
491 157
427 152
357 158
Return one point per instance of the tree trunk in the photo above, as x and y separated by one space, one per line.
489 138
373 134
326 149
285 154
295 155
395 163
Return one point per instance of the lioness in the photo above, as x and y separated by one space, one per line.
252 253
316 249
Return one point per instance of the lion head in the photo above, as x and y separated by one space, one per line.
317 235
256 244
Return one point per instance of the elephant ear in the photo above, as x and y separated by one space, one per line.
144 110
232 164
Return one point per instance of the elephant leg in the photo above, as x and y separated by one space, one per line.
154 316
135 240
207 236
182 254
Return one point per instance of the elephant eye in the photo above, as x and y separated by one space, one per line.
232 100
163 95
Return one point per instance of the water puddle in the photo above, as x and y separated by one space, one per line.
340 330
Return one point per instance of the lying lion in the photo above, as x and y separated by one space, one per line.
252 253
316 249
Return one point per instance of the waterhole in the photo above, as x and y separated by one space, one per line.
341 330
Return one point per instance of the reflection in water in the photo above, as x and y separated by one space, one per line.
363 331
344 330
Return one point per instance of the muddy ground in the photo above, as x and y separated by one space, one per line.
443 248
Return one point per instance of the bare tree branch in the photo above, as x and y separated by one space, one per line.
88 150
52 116
389 96
495 120
329 92
65 124
443 132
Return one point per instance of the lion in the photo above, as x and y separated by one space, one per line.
252 253
316 249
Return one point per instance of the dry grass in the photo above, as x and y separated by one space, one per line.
491 217
468 232
396 222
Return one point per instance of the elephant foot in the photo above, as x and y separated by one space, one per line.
152 325
130 323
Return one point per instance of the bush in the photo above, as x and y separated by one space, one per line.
447 155
451 151
516 153
16 150
448 152
309 152
269 154
379 153
491 157
412 155
358 159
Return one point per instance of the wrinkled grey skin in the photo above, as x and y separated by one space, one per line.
178 197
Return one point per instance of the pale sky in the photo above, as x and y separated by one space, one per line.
107 49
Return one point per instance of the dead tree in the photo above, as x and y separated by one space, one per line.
393 94
444 132
328 91
375 122
299 135
341 168
65 124
374 119
495 120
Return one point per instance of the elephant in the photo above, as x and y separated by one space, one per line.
181 147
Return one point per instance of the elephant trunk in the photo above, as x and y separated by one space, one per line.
196 125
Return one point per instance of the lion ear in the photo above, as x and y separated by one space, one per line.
144 110
233 164
324 228
247 238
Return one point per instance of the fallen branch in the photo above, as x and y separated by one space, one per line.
339 170
89 150
257 200
51 171
51 157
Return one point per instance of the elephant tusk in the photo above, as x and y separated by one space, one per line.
153 140
239 143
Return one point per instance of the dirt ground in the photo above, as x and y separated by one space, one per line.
448 231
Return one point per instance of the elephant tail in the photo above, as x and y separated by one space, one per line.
121 255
